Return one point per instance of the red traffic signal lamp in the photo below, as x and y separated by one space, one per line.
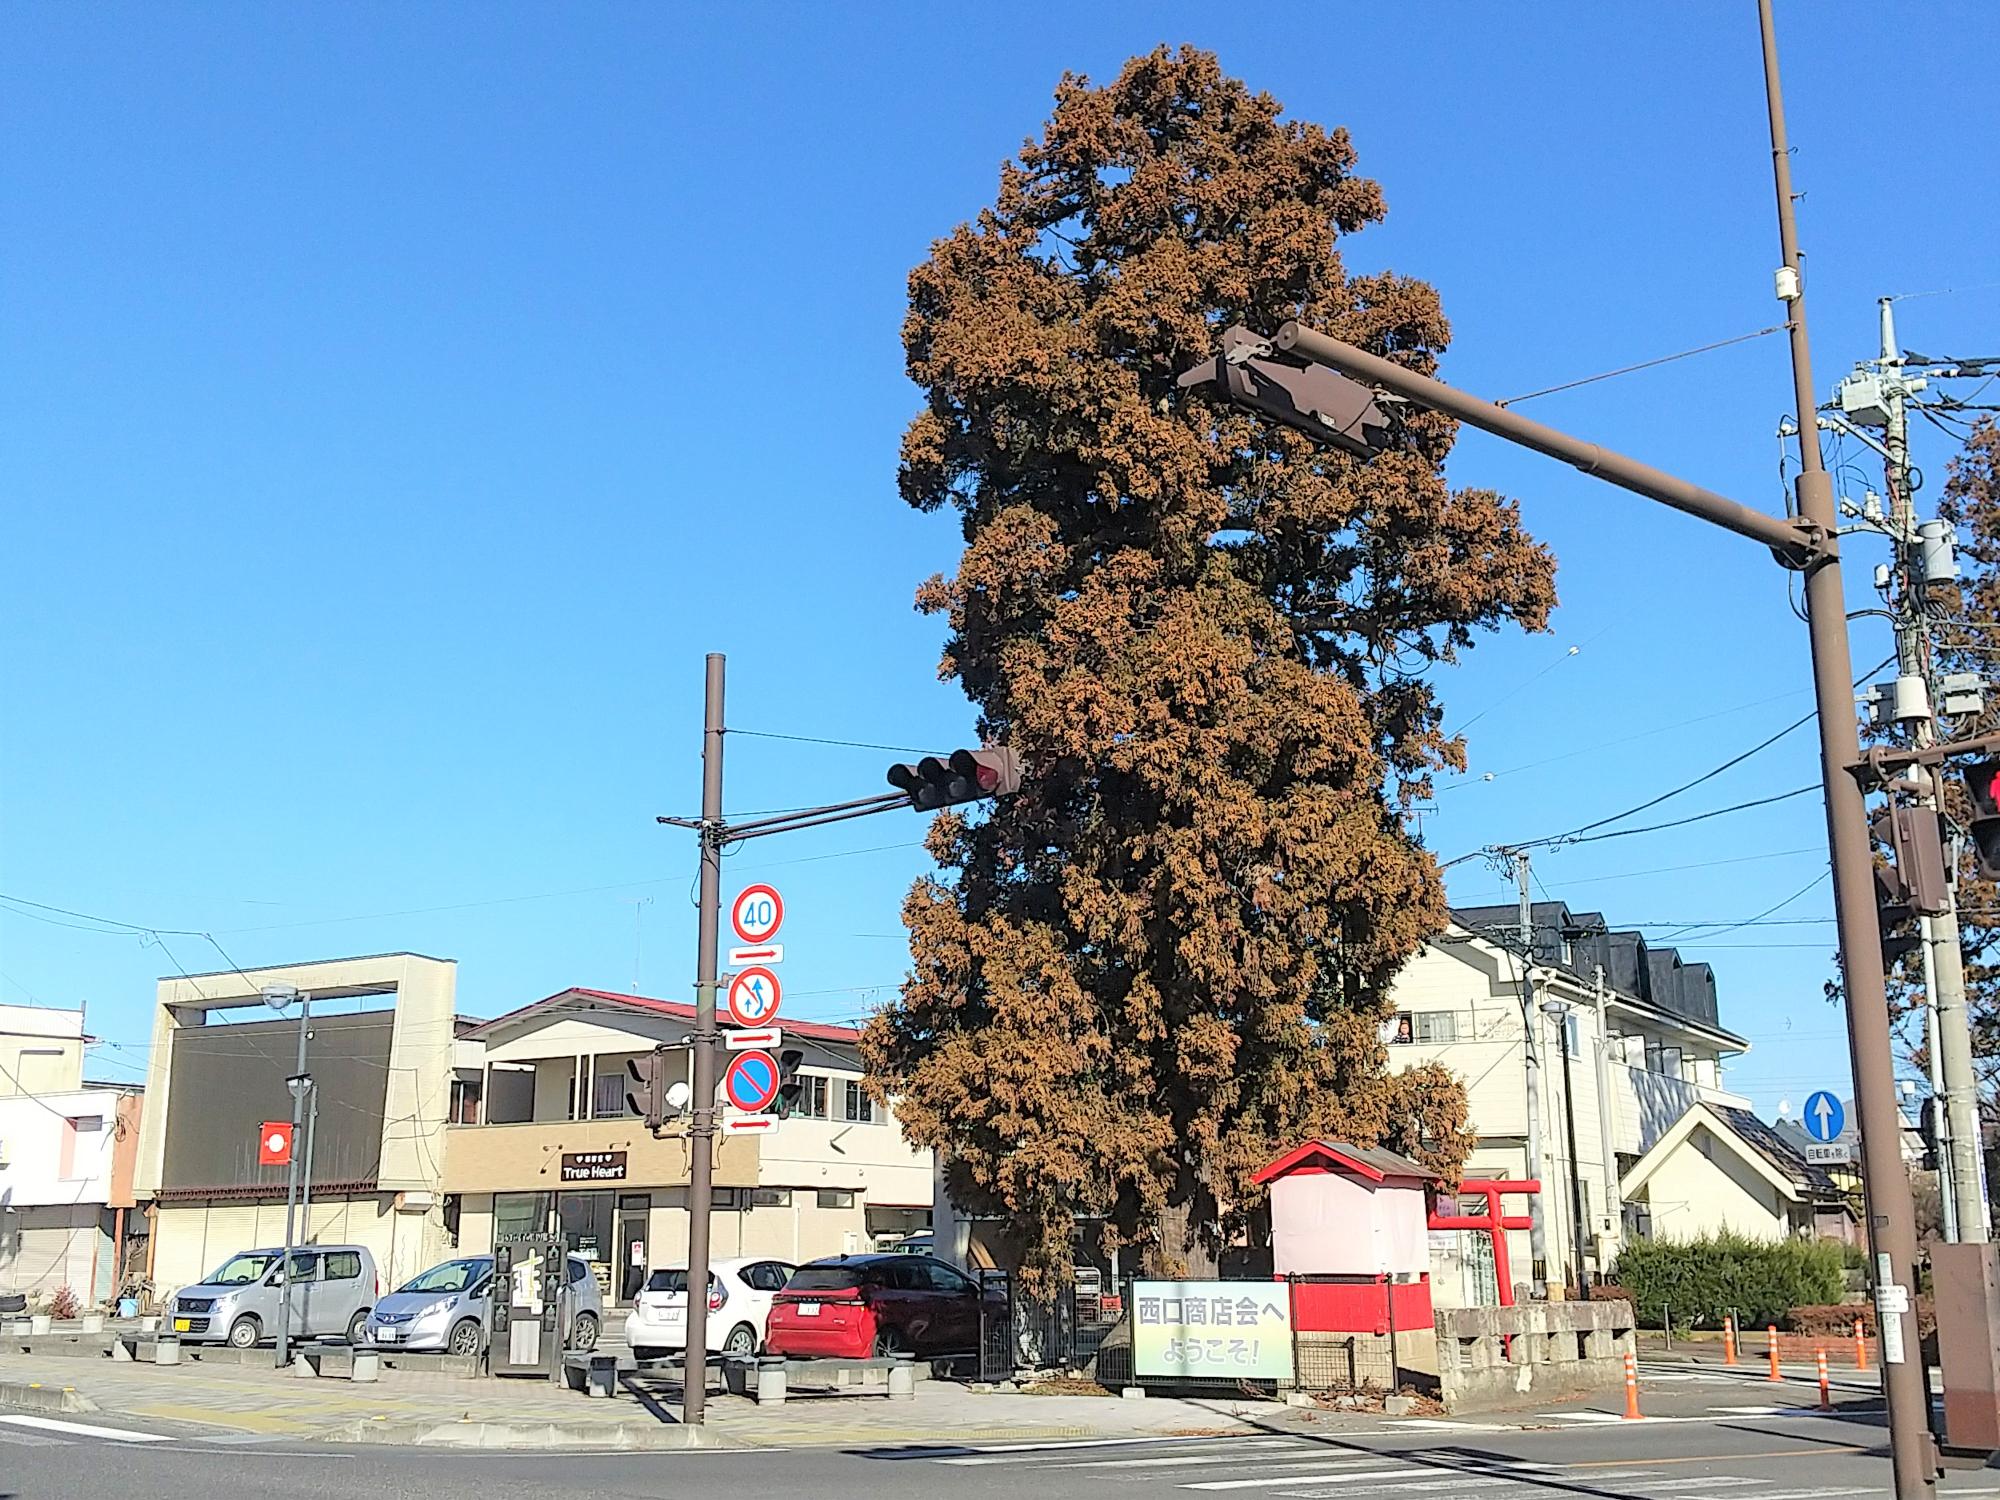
1982 788
962 776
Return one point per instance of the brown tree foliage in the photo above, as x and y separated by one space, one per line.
1166 958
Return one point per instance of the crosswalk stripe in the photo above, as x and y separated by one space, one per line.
1271 1481
1705 1481
84 1429
1219 1450
1124 1442
1182 1460
1458 1483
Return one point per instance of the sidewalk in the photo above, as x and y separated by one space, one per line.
422 1408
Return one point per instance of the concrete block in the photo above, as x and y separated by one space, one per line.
1299 1398
365 1368
93 1323
1398 1406
166 1350
32 1395
903 1379
1133 1392
303 1368
771 1381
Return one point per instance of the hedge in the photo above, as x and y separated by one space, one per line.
1699 1282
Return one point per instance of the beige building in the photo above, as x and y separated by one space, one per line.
1721 1169
544 1139
1626 1038
382 1053
41 1049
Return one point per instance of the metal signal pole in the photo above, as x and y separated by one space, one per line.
1538 1242
1892 1234
701 1141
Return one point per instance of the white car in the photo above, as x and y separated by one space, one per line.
739 1300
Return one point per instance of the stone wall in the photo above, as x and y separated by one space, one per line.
1491 1358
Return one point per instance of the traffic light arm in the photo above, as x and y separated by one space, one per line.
1880 763
806 817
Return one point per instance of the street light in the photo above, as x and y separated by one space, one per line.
278 997
1558 1011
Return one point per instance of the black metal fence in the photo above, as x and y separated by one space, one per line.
1075 1328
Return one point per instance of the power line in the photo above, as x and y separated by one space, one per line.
1665 359
811 739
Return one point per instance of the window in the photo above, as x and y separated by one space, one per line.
725 1198
608 1097
305 1267
836 1198
1424 1026
767 1275
941 1277
343 1265
519 1213
812 1097
464 1103
770 1197
859 1107
579 1270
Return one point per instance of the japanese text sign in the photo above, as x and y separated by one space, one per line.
1240 1329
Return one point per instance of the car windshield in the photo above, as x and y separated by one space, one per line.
452 1276
673 1281
241 1270
824 1279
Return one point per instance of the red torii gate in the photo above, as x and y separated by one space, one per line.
1493 1222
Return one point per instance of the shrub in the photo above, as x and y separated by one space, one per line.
1699 1282
65 1304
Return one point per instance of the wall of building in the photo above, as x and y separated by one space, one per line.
46 1247
191 1240
1705 1186
41 1050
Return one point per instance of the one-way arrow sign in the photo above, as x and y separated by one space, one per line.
1824 1117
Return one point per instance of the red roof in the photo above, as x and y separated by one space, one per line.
814 1030
1375 1163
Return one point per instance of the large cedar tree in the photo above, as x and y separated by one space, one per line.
1167 958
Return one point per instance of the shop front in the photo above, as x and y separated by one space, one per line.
616 1196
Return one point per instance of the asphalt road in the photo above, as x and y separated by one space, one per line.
1719 1455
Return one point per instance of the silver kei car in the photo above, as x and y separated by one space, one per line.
449 1308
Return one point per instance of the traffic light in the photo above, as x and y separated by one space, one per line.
963 776
648 1095
1927 1129
790 1085
1315 400
1982 786
1916 843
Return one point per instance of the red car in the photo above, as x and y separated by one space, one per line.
857 1306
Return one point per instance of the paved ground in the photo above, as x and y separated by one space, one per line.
1717 1453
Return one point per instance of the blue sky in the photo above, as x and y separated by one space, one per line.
385 433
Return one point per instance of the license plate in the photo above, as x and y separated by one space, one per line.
385 1335
183 1325
808 1309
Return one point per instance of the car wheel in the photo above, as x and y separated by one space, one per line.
355 1325
890 1341
583 1334
464 1338
742 1340
244 1333
641 1353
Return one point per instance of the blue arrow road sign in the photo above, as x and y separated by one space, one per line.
1825 1117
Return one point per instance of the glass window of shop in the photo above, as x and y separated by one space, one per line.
520 1213
585 1225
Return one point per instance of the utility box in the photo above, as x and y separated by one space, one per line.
529 1286
1965 1281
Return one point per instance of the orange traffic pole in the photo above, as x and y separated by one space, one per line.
1631 1388
1771 1337
1729 1341
1825 1391
1860 1347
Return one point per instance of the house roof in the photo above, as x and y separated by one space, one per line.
573 999
1376 1163
1760 1145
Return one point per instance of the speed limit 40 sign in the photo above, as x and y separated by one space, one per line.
757 913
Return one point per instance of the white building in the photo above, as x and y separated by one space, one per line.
66 1155
1636 1043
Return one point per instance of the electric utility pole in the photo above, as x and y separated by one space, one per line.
1879 396
1538 1244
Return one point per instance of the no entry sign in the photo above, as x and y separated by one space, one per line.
752 1081
757 913
753 997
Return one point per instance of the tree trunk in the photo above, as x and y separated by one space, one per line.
1186 1248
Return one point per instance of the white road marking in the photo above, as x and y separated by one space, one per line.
1219 1451
1709 1482
1457 1484
1303 1456
1272 1481
84 1429
1823 1494
1127 1442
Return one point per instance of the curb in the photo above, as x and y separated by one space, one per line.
34 1396
624 1436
